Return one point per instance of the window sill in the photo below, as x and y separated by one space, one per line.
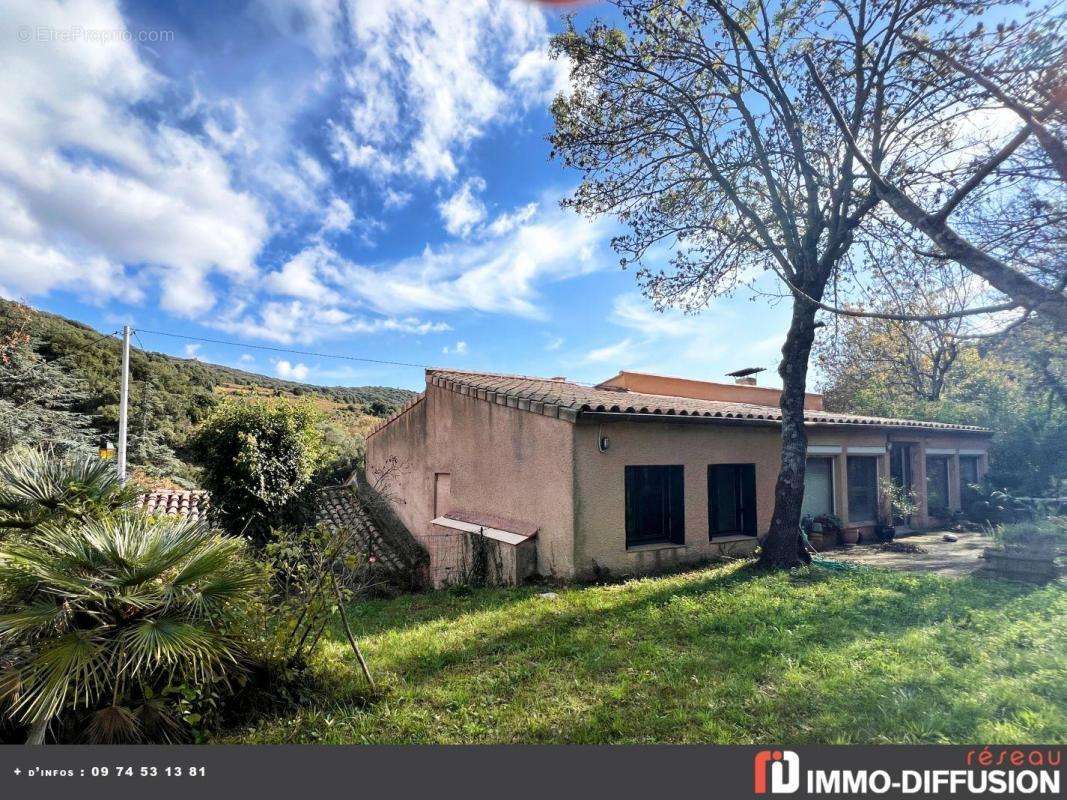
637 548
733 537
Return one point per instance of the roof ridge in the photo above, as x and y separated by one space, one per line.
588 400
486 374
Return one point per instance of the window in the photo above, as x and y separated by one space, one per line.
968 471
655 505
818 487
937 486
731 500
968 477
900 464
862 489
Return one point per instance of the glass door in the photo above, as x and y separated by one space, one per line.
900 472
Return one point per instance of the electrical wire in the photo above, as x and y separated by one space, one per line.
286 350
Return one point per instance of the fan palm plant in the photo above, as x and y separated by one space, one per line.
101 615
36 487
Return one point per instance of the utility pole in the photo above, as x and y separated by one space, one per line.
124 401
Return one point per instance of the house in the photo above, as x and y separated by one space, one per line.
639 473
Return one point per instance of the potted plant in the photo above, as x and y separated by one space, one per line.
831 526
899 503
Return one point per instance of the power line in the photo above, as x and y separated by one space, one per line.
286 350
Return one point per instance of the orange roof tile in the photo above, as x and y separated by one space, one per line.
568 401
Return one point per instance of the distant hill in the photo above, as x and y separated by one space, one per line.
169 396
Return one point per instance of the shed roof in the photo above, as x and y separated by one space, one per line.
570 401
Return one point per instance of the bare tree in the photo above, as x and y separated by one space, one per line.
700 126
998 200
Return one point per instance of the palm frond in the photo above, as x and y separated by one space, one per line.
173 644
114 724
72 669
39 619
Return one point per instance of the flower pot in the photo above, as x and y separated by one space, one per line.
850 536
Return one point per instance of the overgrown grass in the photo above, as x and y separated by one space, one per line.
723 655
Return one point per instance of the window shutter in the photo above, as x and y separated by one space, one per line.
676 527
748 499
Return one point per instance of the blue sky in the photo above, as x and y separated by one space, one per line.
356 177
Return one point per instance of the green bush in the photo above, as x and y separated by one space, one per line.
258 460
37 487
100 618
1044 534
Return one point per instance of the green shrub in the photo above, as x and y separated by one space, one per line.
99 618
1044 534
37 487
258 458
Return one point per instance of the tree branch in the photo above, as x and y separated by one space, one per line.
1023 290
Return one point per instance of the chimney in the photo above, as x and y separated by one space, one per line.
746 376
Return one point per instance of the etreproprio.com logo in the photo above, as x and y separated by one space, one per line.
1014 772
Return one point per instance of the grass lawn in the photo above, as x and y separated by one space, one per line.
722 655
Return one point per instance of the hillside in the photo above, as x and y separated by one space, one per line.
169 396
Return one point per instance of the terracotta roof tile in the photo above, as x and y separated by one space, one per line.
184 502
569 400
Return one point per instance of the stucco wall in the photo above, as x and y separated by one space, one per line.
501 460
600 490
507 461
600 485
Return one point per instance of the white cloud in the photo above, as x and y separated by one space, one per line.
464 209
314 22
703 345
292 372
507 222
392 198
497 275
613 353
303 274
431 75
95 185
193 351
339 216
247 358
554 344
539 77
305 322
28 268
458 349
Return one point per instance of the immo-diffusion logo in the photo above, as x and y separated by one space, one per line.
783 767
1006 771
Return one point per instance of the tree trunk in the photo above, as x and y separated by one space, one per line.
37 731
780 544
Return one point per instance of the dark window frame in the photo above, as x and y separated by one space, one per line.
939 511
968 459
853 517
831 463
743 476
669 479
